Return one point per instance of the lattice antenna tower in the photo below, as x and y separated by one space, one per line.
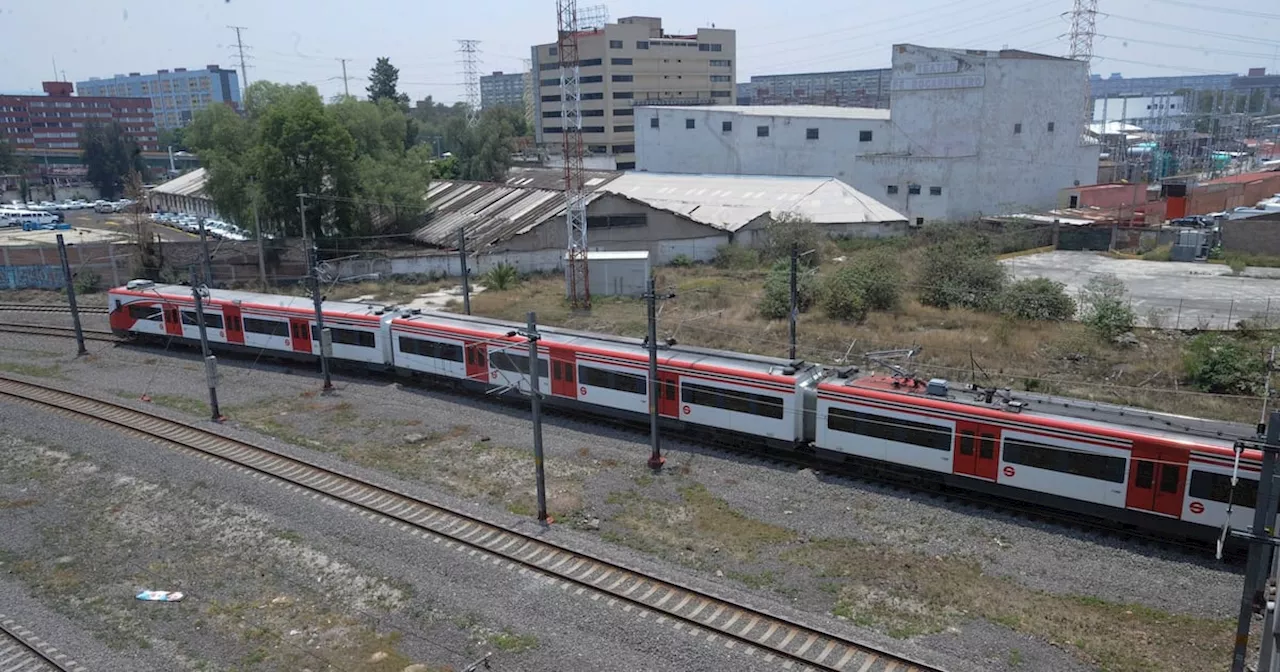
575 210
526 96
1084 26
470 62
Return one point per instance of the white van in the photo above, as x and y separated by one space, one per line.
20 217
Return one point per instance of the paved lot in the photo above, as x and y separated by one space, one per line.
88 226
1169 294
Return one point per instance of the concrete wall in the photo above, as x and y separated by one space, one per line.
953 117
1252 236
1206 198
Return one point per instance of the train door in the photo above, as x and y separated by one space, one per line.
1157 480
669 394
300 334
478 362
172 320
564 378
232 325
977 450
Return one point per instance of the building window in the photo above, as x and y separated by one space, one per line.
642 44
553 51
624 112
864 136
762 131
913 189
549 66
810 134
626 165
619 61
653 123
1017 128
593 129
892 189
552 129
919 221
721 94
623 78
726 127
593 79
720 78
551 99
551 114
935 191
615 44
589 62
597 149
721 64
593 113
624 129
623 95
550 82
599 95
624 149
1051 127
689 123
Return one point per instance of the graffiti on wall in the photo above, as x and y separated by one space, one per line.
30 277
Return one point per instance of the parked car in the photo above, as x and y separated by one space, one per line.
105 207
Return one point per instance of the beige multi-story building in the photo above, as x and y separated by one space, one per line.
625 65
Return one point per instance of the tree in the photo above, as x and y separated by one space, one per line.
9 162
787 228
1037 299
776 301
108 154
225 141
173 138
1106 307
383 78
962 272
483 151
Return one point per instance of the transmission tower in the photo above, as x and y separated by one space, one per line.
244 72
526 96
470 78
1083 27
575 211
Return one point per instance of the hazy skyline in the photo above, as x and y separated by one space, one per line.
294 41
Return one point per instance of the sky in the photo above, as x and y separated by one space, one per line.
301 40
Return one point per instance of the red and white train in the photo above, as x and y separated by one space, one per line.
1156 471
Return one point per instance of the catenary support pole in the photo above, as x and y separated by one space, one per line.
794 307
210 362
656 460
204 255
1259 551
262 246
466 272
535 401
326 341
71 296
1268 661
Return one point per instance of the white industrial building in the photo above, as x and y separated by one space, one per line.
967 133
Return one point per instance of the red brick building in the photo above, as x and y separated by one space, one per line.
55 120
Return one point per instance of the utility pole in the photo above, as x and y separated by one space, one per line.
210 362
345 91
262 245
466 272
1261 546
794 305
326 339
244 73
204 251
535 401
71 296
656 460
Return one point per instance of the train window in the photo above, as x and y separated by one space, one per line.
434 349
987 447
144 312
1217 488
1053 458
557 369
1170 476
475 356
211 320
966 443
507 361
363 339
613 380
266 327
669 390
1145 476
732 400
892 429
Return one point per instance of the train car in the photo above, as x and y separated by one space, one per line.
1131 468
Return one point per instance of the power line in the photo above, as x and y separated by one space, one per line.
244 70
1222 10
1189 47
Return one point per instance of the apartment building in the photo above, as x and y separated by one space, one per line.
502 90
175 95
56 120
628 64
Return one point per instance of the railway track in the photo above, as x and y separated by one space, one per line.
21 650
66 332
51 308
718 620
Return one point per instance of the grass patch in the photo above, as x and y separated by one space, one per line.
699 523
32 370
181 403
907 595
765 579
511 642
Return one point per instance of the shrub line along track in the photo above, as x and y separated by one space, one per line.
718 620
21 650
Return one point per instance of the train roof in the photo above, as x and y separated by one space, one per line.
282 301
1215 433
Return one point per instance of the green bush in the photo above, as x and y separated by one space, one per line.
1237 264
788 228
844 294
1037 299
682 261
1161 253
776 301
1218 363
1105 307
878 278
86 282
501 277
961 273
736 257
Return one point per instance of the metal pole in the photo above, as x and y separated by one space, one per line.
1230 312
204 250
1263 519
535 401
791 314
326 343
210 362
1267 659
71 296
1177 322
656 459
262 250
466 272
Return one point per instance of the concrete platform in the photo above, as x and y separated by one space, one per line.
1188 295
